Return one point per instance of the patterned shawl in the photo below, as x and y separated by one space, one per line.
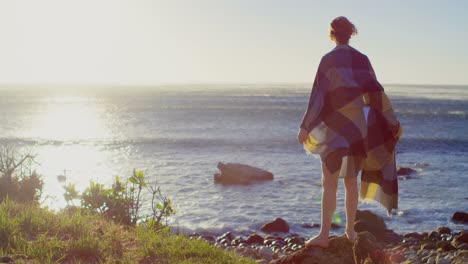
344 85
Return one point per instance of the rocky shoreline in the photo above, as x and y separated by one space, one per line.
375 244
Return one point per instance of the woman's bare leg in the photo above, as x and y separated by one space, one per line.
329 186
351 204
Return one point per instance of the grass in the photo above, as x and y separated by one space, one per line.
31 234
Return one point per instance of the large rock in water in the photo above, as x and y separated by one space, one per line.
236 173
460 217
277 225
405 171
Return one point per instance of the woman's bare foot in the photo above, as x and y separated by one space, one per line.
351 235
317 241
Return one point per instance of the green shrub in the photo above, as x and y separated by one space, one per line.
18 181
123 200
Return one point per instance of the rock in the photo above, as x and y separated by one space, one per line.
462 246
236 173
460 217
255 239
266 253
277 225
313 225
463 253
442 260
434 235
397 257
209 239
445 245
444 230
367 248
294 240
6 260
390 237
237 241
414 235
227 236
460 239
368 221
339 252
428 246
405 171
274 237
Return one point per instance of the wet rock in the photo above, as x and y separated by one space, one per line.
416 236
274 237
313 225
237 241
227 236
277 225
405 171
460 217
444 230
209 239
255 239
294 240
236 173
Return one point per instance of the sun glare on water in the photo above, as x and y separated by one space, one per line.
69 118
69 131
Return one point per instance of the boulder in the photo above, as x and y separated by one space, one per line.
255 239
236 173
368 221
460 217
277 225
366 249
460 239
340 251
444 230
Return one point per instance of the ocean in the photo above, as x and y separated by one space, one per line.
178 133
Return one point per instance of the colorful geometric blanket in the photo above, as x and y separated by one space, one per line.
345 85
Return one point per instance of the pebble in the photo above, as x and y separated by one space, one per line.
431 260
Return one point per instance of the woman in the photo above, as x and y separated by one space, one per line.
348 140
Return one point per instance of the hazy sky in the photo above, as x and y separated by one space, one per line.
150 42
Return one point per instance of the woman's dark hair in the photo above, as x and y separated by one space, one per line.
341 30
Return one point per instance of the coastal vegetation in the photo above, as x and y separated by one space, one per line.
107 226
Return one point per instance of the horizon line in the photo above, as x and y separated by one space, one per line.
149 85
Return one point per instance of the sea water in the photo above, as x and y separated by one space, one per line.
178 133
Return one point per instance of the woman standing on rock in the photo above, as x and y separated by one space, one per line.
335 126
